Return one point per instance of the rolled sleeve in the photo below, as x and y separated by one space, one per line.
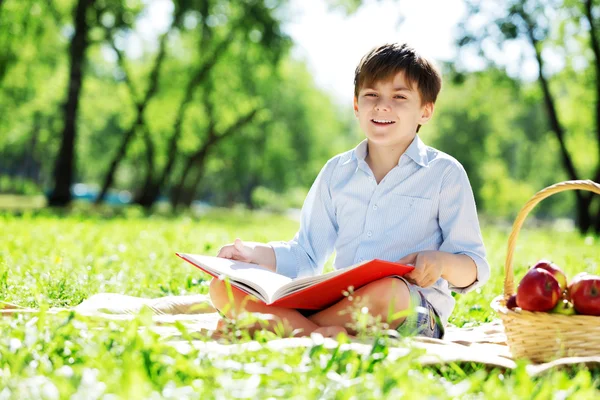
460 226
483 274
285 260
312 245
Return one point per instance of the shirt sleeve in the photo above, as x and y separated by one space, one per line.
312 245
460 225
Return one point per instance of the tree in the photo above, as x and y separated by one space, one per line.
65 168
532 22
248 24
32 80
141 104
217 115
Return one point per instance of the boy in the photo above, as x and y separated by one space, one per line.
391 198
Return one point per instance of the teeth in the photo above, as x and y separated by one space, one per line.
383 121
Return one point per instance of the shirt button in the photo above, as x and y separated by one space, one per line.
375 208
369 234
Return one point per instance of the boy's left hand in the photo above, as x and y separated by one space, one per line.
428 267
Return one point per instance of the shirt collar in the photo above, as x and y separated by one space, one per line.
416 150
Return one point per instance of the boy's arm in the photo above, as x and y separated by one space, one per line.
461 233
307 252
461 256
459 270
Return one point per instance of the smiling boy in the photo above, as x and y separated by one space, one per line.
393 198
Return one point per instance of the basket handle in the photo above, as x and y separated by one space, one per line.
509 284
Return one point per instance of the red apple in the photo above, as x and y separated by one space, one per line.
511 303
538 291
554 270
585 294
575 279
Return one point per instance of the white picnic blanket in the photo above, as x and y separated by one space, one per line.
485 344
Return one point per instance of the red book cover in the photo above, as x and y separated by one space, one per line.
312 293
324 294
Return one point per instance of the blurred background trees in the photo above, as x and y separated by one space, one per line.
214 108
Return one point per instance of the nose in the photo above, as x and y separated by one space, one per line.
382 105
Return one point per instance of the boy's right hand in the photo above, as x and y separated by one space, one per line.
237 251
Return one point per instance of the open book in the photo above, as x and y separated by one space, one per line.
311 293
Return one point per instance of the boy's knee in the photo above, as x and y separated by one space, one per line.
385 295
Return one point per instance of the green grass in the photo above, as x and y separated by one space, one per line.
49 260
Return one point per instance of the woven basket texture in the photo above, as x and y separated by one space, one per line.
541 336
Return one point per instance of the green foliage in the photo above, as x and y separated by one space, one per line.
18 186
508 155
496 126
559 36
59 260
297 130
267 199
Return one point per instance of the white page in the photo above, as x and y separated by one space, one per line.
265 281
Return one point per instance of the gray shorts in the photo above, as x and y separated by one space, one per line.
424 321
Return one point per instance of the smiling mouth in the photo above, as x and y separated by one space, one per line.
382 122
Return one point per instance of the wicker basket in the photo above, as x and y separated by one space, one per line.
541 336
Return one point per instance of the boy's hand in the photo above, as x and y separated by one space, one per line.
237 251
428 267
250 252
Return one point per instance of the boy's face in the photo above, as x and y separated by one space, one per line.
389 111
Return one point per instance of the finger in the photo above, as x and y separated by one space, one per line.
427 281
413 275
241 247
408 259
420 263
412 281
420 280
417 273
224 252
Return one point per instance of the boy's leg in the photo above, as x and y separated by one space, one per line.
291 319
378 296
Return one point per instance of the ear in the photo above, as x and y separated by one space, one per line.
355 106
426 113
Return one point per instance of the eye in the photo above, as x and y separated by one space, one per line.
370 95
400 97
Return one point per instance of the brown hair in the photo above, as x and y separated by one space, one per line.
384 62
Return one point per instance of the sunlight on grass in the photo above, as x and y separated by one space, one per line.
49 260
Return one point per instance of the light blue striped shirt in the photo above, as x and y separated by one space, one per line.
424 203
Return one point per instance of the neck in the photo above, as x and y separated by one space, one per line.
381 159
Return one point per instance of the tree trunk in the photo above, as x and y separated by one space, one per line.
31 164
198 77
112 169
595 45
140 108
597 222
178 190
248 190
148 195
198 159
584 219
65 163
189 193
